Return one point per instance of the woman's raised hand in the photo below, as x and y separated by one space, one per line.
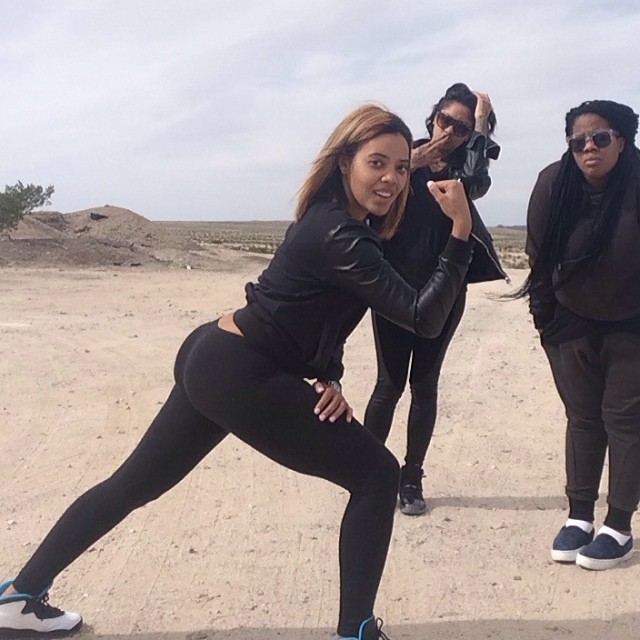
483 109
428 153
451 197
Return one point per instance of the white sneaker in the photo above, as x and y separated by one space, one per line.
23 612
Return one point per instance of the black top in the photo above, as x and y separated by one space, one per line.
424 231
328 270
422 235
608 292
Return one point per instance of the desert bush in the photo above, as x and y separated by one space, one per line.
20 199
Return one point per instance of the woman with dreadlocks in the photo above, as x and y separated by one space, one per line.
583 244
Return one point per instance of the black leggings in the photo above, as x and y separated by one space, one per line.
224 386
395 349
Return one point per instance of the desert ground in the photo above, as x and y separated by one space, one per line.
243 549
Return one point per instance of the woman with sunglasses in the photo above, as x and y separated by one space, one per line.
584 292
459 147
246 373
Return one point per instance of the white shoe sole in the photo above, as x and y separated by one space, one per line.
32 633
596 564
15 623
565 556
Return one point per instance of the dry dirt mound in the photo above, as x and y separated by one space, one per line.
101 236
39 227
111 236
114 224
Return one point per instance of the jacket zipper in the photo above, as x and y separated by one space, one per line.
497 266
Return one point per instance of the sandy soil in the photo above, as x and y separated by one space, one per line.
245 550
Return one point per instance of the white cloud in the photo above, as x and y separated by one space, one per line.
215 110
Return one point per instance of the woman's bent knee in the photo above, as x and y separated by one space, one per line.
382 475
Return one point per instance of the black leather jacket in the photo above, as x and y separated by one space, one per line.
328 270
423 233
470 163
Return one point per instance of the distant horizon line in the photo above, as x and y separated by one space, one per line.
228 220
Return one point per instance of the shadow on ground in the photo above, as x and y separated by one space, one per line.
623 627
508 503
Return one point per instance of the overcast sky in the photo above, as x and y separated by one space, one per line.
213 110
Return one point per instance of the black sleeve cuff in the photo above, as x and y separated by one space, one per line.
458 251
334 371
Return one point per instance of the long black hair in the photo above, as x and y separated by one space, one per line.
568 195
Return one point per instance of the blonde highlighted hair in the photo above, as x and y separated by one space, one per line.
324 180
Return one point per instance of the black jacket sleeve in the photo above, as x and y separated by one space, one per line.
474 171
355 263
335 368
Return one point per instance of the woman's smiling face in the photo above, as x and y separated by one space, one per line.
376 175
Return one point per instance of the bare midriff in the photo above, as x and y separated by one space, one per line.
227 323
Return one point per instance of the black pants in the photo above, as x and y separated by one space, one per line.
223 386
598 380
396 348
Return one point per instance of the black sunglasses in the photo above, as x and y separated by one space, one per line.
601 138
460 129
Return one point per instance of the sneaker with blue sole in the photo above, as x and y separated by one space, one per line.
22 614
569 542
605 552
370 629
